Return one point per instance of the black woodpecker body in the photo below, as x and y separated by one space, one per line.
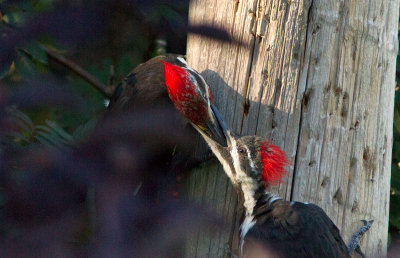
271 226
145 85
148 88
165 78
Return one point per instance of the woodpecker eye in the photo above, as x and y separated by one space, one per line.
242 150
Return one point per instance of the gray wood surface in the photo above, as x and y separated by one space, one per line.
318 79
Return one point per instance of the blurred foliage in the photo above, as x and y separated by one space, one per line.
51 134
394 219
51 159
72 182
96 35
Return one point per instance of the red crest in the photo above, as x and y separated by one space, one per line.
274 161
184 93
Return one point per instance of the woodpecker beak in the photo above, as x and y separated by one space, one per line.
221 124
216 126
217 131
214 129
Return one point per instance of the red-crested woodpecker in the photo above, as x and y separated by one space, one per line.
191 95
145 85
271 226
164 77
144 89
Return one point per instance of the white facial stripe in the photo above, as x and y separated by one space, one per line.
248 190
236 160
247 224
224 163
216 152
253 167
240 174
247 183
183 61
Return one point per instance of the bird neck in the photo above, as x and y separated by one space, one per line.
256 201
254 194
222 155
248 192
256 197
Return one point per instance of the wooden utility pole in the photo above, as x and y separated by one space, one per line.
317 78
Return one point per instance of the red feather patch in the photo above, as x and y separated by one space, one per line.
274 161
182 92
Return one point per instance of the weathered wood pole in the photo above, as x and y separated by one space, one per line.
317 78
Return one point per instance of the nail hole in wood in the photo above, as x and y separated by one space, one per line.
325 181
338 196
246 107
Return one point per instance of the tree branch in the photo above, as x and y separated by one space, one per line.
106 91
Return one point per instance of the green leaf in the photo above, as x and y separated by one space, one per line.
24 128
22 117
83 130
44 5
59 130
20 138
24 66
397 118
124 65
49 132
42 140
53 139
397 96
395 179
394 216
15 17
37 52
4 70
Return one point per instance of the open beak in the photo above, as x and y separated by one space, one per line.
225 138
216 131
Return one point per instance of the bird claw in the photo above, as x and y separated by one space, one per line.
367 223
358 250
354 244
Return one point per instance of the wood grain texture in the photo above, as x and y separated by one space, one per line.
318 78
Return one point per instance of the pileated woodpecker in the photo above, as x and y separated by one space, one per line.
145 85
271 226
192 97
152 82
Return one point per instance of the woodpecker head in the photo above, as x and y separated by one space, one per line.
248 159
192 97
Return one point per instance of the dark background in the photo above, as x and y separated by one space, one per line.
53 158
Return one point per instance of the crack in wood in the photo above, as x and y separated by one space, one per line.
252 51
338 196
325 181
330 124
295 162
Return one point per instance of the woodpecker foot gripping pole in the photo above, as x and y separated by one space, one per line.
354 244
